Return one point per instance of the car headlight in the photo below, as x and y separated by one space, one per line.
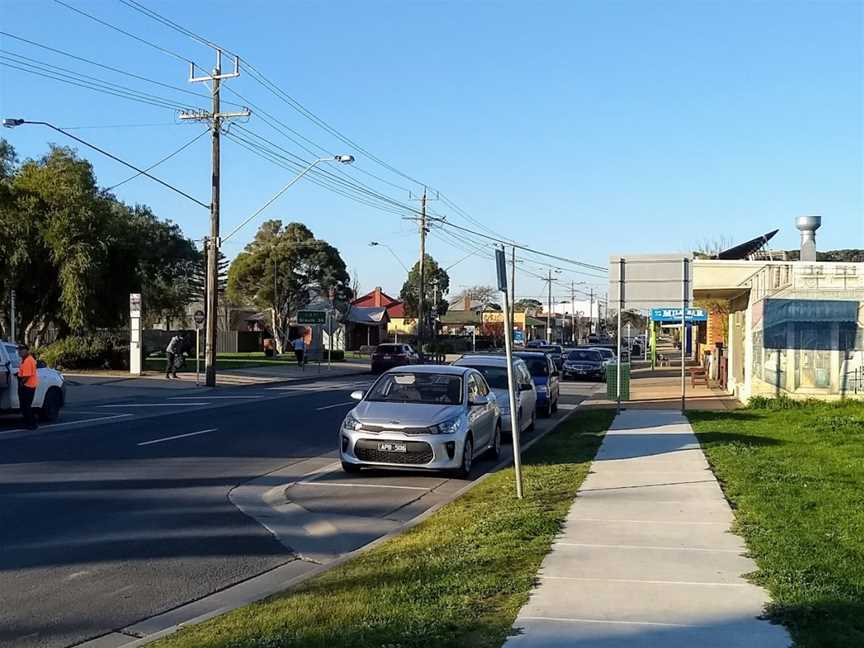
447 427
351 423
541 389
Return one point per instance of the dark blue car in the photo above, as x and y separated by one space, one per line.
546 380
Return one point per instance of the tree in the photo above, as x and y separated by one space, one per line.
483 294
73 253
529 306
435 276
285 268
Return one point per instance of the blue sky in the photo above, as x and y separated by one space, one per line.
579 128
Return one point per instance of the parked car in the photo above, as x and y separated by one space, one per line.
583 363
607 354
533 344
494 370
546 379
387 356
431 417
50 395
554 351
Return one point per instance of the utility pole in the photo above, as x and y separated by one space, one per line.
573 310
513 298
12 316
591 311
420 296
215 117
549 311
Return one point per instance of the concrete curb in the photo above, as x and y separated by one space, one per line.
269 583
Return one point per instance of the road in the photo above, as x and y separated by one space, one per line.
125 513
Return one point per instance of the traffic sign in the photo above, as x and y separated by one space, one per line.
311 317
199 317
135 305
501 266
518 336
673 315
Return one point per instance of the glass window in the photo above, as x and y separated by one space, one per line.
495 376
389 348
409 387
584 356
473 389
537 365
481 384
15 359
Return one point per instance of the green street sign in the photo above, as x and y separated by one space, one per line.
311 317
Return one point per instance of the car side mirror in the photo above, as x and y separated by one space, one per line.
478 401
357 395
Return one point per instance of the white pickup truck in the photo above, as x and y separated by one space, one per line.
50 394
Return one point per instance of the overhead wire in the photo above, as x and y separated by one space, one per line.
164 159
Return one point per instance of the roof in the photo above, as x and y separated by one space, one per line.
483 361
460 317
371 316
746 249
452 370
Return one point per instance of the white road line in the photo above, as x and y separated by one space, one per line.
624 546
342 485
177 436
606 621
51 425
154 405
336 405
650 582
210 397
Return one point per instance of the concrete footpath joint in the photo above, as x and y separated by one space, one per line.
646 557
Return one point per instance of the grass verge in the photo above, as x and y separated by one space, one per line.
242 361
457 579
795 475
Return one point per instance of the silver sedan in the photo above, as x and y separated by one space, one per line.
430 417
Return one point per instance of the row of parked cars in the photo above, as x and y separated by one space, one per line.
443 417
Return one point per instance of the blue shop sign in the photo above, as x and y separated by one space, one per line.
673 315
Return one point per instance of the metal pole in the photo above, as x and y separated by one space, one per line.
513 294
685 278
549 312
329 337
422 278
620 308
591 312
197 356
12 316
514 412
573 311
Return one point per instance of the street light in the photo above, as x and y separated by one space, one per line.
342 159
395 256
14 123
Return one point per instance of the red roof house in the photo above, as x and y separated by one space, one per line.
379 299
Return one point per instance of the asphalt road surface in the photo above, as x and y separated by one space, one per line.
121 510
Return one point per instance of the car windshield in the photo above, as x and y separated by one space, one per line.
536 366
428 388
389 348
552 349
495 376
606 353
585 356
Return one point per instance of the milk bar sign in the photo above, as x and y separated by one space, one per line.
135 305
673 315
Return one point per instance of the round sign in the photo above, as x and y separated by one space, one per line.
199 317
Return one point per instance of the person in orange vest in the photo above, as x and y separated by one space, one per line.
28 380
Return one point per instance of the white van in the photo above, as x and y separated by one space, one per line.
50 394
494 370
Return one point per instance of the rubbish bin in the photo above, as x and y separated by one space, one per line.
612 381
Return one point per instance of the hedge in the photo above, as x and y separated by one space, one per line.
86 352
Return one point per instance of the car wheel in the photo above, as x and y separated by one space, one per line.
467 458
50 409
547 409
350 467
495 450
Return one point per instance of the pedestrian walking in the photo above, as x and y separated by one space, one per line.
299 350
28 380
175 346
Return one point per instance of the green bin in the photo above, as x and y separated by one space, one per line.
612 381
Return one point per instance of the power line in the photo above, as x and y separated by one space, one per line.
124 32
164 159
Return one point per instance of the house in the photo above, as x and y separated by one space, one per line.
397 323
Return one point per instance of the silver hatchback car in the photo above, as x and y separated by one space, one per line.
430 417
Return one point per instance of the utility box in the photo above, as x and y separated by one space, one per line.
612 381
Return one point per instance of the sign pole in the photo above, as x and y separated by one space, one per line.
508 347
135 334
684 336
197 356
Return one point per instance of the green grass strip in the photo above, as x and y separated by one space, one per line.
457 579
795 475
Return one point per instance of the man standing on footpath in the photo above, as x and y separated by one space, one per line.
28 380
175 346
299 350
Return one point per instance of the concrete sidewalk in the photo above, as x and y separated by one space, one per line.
646 557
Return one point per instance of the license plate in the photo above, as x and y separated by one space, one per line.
392 447
386 356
